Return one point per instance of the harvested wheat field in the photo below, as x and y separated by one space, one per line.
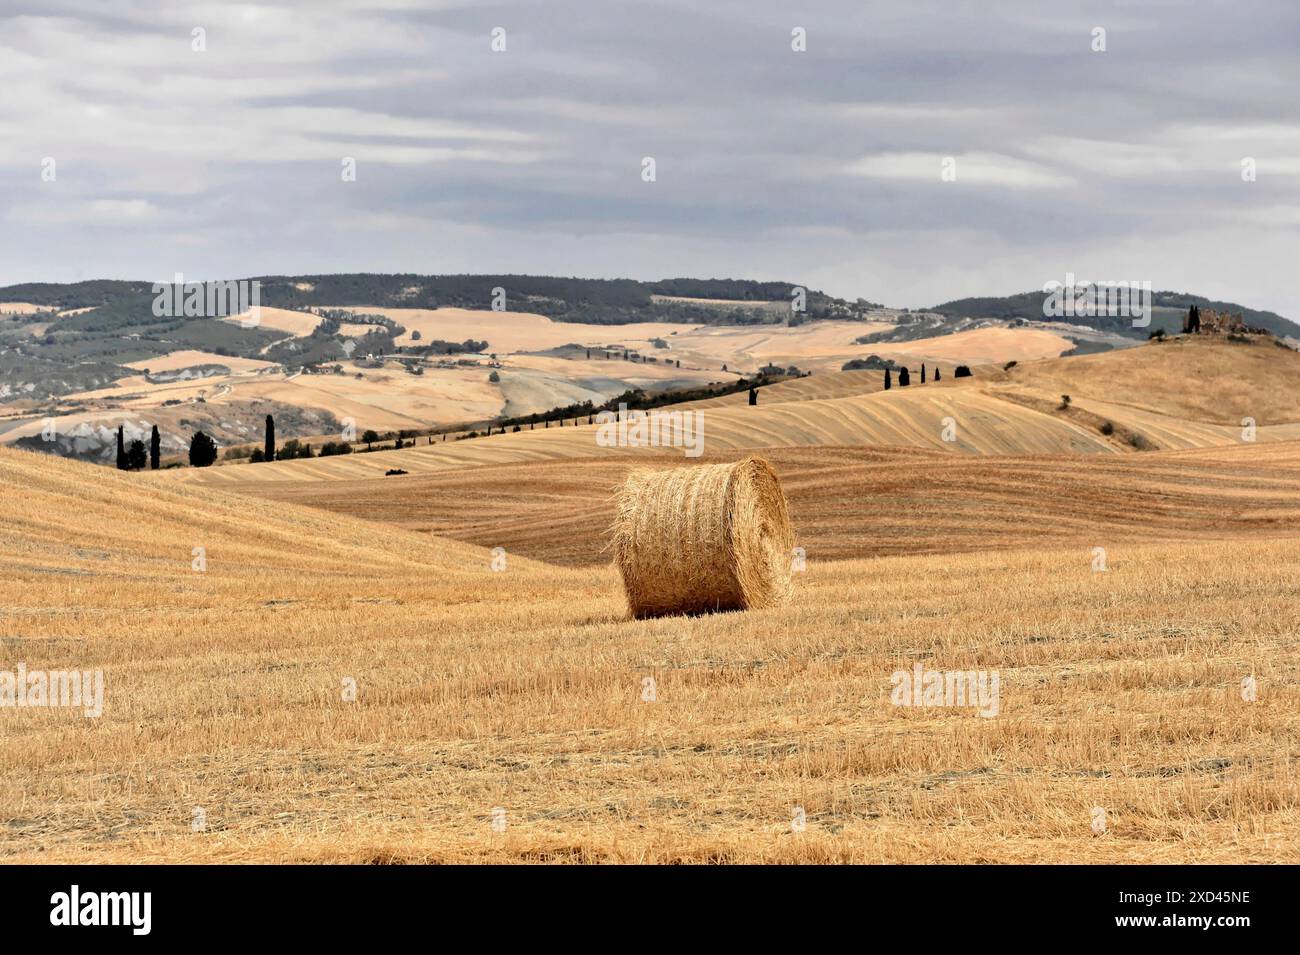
854 502
682 739
978 346
509 331
189 358
822 346
23 308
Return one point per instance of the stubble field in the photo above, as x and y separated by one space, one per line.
524 690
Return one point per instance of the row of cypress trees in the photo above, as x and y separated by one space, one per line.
134 457
905 377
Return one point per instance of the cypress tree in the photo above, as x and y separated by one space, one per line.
121 450
270 438
936 372
888 381
922 374
155 449
904 379
203 450
753 396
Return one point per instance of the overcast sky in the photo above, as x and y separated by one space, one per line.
821 167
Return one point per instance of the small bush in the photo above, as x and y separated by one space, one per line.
870 363
1106 428
292 449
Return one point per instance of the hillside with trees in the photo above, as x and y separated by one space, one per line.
1167 311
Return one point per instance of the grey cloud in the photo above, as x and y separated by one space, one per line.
529 160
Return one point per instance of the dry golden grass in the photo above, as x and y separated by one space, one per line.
524 689
1200 379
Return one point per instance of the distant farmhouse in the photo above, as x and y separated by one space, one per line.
1210 322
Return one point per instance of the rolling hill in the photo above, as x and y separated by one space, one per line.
1201 379
415 353
1167 311
1148 398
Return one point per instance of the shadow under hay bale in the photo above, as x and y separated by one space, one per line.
702 539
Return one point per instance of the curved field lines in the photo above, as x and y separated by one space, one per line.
976 422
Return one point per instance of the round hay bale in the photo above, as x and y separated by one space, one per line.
703 539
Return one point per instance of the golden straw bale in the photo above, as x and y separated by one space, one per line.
705 538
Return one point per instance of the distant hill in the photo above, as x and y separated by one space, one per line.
1167 311
85 333
593 301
